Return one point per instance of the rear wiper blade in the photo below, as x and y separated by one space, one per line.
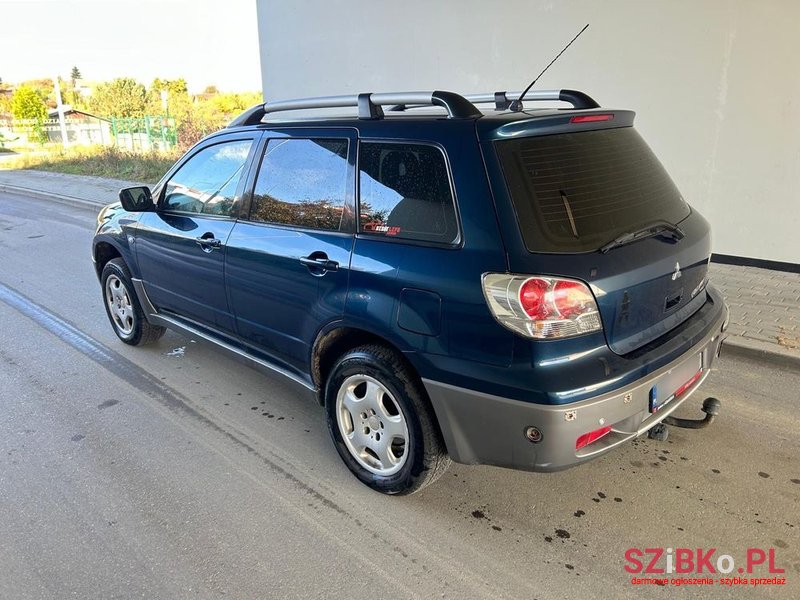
645 232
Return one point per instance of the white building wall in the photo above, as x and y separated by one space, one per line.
715 83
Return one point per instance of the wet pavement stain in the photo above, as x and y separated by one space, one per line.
563 534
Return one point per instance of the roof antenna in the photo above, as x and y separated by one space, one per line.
516 105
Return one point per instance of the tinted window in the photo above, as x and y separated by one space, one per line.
575 192
302 182
207 182
405 192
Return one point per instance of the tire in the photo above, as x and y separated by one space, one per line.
123 308
381 422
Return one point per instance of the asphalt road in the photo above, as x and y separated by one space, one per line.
173 472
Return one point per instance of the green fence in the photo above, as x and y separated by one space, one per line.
145 133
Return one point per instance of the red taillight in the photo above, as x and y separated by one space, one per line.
559 298
591 437
572 298
590 118
532 297
540 306
688 384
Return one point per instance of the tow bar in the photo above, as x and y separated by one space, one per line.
710 406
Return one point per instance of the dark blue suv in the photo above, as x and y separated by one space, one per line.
514 287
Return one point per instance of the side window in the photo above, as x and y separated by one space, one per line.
207 182
405 193
302 182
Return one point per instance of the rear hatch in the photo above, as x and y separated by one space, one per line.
576 193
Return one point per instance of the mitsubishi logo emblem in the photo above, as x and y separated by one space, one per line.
677 272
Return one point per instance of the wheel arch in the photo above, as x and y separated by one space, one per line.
333 343
103 252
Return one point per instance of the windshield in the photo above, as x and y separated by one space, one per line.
574 192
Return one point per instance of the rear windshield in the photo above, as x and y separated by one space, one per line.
575 192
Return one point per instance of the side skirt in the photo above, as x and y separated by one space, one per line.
156 318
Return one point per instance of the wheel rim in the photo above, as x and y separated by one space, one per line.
372 425
119 305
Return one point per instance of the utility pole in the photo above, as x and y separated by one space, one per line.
60 109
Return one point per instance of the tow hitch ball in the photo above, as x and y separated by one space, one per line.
710 406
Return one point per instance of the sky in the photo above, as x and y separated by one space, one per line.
207 42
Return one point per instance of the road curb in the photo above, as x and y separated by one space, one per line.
43 195
761 351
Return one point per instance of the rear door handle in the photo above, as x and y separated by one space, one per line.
321 262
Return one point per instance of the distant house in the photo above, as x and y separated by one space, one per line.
82 128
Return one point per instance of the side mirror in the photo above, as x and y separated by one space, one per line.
137 199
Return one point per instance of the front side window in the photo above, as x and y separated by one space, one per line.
405 193
207 182
302 182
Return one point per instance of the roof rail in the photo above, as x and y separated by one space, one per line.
369 104
503 100
252 116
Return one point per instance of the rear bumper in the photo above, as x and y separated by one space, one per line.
480 428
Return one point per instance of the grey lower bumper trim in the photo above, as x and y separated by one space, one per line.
479 428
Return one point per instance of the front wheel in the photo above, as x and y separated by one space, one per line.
123 308
381 423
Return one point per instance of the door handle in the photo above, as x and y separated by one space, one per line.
208 242
320 262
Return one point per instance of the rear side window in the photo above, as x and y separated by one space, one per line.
302 182
575 192
405 193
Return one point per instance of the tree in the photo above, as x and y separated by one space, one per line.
5 104
121 97
75 74
177 100
27 104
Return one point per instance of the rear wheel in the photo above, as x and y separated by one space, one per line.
123 308
381 423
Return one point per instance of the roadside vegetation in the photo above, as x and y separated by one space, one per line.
98 161
186 117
